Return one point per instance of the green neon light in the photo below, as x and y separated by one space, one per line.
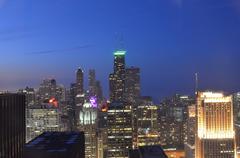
120 53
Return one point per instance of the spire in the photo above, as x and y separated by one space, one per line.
119 41
196 83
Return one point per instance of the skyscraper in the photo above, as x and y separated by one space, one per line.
117 78
215 136
147 123
12 125
132 96
79 81
173 121
92 82
191 130
88 124
119 130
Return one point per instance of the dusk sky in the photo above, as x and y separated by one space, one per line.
169 40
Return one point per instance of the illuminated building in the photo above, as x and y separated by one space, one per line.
215 131
49 89
117 78
191 126
173 121
12 125
132 96
147 123
174 153
119 123
29 94
42 118
56 145
236 116
88 124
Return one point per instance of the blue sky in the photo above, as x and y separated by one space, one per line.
169 40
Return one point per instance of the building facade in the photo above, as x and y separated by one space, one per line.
12 125
88 124
117 78
191 130
42 118
215 136
119 123
147 123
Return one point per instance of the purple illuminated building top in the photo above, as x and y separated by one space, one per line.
93 101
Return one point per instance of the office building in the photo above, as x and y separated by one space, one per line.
92 82
119 123
147 123
173 121
79 81
215 136
117 78
191 130
56 145
12 125
132 96
42 118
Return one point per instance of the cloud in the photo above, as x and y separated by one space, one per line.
52 51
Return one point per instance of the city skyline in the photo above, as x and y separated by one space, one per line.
173 37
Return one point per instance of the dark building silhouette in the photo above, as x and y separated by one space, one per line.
12 125
79 81
56 145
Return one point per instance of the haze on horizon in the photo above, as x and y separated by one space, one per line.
169 40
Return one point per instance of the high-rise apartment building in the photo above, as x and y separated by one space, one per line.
117 78
12 125
215 136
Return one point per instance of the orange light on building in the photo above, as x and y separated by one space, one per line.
53 102
175 153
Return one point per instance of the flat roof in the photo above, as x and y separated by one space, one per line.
55 141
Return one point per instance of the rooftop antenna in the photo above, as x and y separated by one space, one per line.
196 83
119 41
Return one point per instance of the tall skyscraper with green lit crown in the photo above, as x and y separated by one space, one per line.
117 78
119 119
